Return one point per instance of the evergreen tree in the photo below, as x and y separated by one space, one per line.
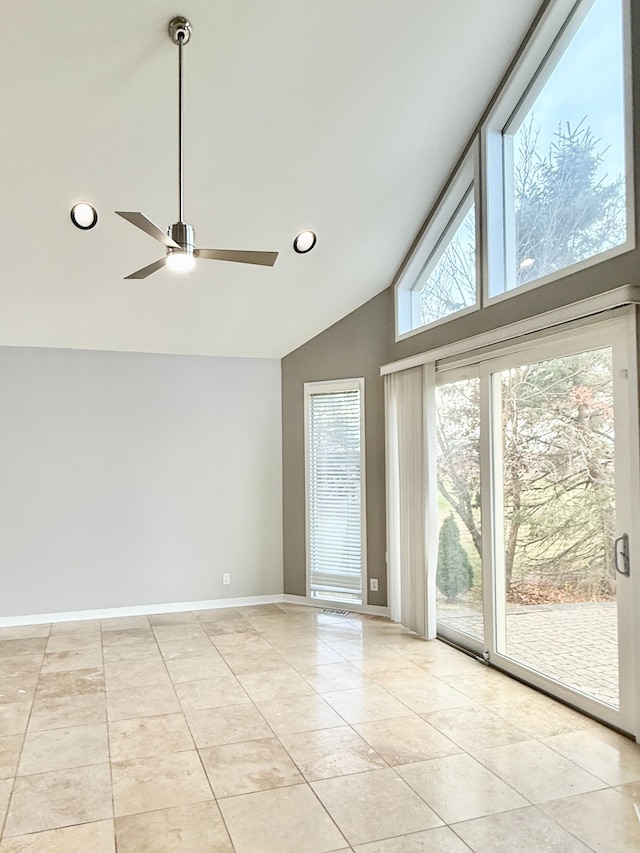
454 575
565 211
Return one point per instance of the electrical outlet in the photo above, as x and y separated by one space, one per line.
373 584
226 578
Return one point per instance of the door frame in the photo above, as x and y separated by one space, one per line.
617 329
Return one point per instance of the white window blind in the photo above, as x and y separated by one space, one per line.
335 490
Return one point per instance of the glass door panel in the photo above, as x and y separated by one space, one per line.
537 457
555 504
459 601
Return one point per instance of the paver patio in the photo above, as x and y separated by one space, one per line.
576 644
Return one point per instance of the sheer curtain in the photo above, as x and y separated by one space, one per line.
412 519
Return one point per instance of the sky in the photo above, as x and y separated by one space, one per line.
588 81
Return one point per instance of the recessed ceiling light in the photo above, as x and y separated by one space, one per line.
83 215
304 242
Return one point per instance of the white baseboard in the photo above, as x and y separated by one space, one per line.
182 606
138 610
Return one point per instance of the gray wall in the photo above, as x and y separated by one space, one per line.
357 346
361 342
132 479
354 347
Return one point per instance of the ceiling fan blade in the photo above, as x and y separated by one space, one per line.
145 271
146 225
265 259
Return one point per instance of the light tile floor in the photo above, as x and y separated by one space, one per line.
281 728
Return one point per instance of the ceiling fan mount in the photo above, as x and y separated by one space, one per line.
179 238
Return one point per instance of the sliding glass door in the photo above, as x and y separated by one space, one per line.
534 461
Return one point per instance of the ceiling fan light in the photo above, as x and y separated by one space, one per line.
84 215
304 242
181 262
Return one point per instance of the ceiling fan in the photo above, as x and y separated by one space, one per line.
180 238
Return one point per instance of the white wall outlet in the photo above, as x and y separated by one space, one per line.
226 578
373 584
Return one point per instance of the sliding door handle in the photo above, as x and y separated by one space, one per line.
621 555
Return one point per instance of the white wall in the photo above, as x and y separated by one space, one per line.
131 479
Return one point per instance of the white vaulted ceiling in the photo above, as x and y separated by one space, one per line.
344 116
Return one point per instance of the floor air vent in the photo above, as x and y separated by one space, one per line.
337 612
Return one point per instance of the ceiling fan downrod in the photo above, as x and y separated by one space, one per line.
180 33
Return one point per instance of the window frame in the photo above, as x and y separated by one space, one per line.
436 234
530 69
331 387
534 66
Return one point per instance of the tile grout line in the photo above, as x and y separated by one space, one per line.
204 769
106 713
306 781
195 747
24 740
276 737
347 725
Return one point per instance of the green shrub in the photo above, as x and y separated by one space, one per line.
455 575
